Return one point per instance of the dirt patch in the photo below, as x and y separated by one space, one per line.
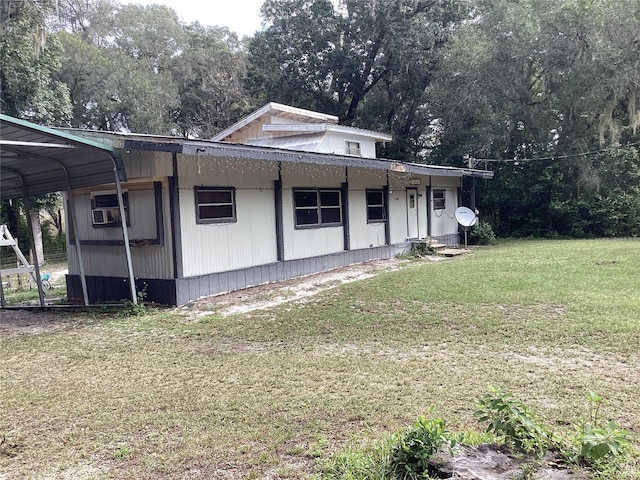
16 322
293 290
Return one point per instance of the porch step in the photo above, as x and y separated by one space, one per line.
453 252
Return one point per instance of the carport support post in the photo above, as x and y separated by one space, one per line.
83 278
125 234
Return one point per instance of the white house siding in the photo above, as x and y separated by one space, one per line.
309 242
363 234
443 222
397 208
111 261
335 143
149 261
220 247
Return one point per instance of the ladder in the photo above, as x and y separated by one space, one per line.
7 240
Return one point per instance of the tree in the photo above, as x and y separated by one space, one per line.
110 92
28 60
209 76
533 78
369 62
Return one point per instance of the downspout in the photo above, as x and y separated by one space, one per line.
429 211
345 210
279 215
174 209
387 224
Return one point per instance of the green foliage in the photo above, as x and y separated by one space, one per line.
29 58
123 452
509 418
595 441
419 249
482 234
414 448
209 75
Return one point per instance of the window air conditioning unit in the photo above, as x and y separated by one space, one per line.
105 216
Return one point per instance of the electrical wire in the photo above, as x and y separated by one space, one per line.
555 157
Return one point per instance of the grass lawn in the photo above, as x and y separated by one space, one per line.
265 394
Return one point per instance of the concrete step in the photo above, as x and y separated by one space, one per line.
453 252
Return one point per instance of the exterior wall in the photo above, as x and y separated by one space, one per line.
219 257
443 222
183 290
335 142
309 242
397 208
254 129
219 247
363 234
103 249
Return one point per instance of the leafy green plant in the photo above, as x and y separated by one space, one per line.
419 249
482 234
410 455
512 420
596 441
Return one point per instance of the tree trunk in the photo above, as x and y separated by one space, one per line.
37 235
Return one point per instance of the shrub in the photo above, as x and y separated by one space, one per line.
482 234
410 455
596 441
512 420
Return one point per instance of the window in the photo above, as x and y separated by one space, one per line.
215 204
352 148
105 211
317 208
439 199
376 211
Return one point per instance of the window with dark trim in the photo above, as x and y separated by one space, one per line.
105 210
439 199
317 207
215 204
376 210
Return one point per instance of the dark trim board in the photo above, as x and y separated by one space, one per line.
184 290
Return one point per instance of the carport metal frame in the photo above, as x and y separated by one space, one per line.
35 160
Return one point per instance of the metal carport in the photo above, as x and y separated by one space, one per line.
35 160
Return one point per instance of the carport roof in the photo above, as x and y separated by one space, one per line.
45 160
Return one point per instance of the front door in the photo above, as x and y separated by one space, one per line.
412 213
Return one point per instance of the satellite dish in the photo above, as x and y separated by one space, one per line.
466 217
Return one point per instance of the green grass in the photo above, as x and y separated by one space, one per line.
270 393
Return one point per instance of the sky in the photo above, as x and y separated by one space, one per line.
240 16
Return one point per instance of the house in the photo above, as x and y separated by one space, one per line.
283 193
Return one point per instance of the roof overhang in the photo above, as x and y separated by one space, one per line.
39 160
281 111
326 127
247 152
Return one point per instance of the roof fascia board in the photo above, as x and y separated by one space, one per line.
323 127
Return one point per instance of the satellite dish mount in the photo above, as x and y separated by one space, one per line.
466 218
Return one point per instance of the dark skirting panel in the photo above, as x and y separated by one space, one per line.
184 290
